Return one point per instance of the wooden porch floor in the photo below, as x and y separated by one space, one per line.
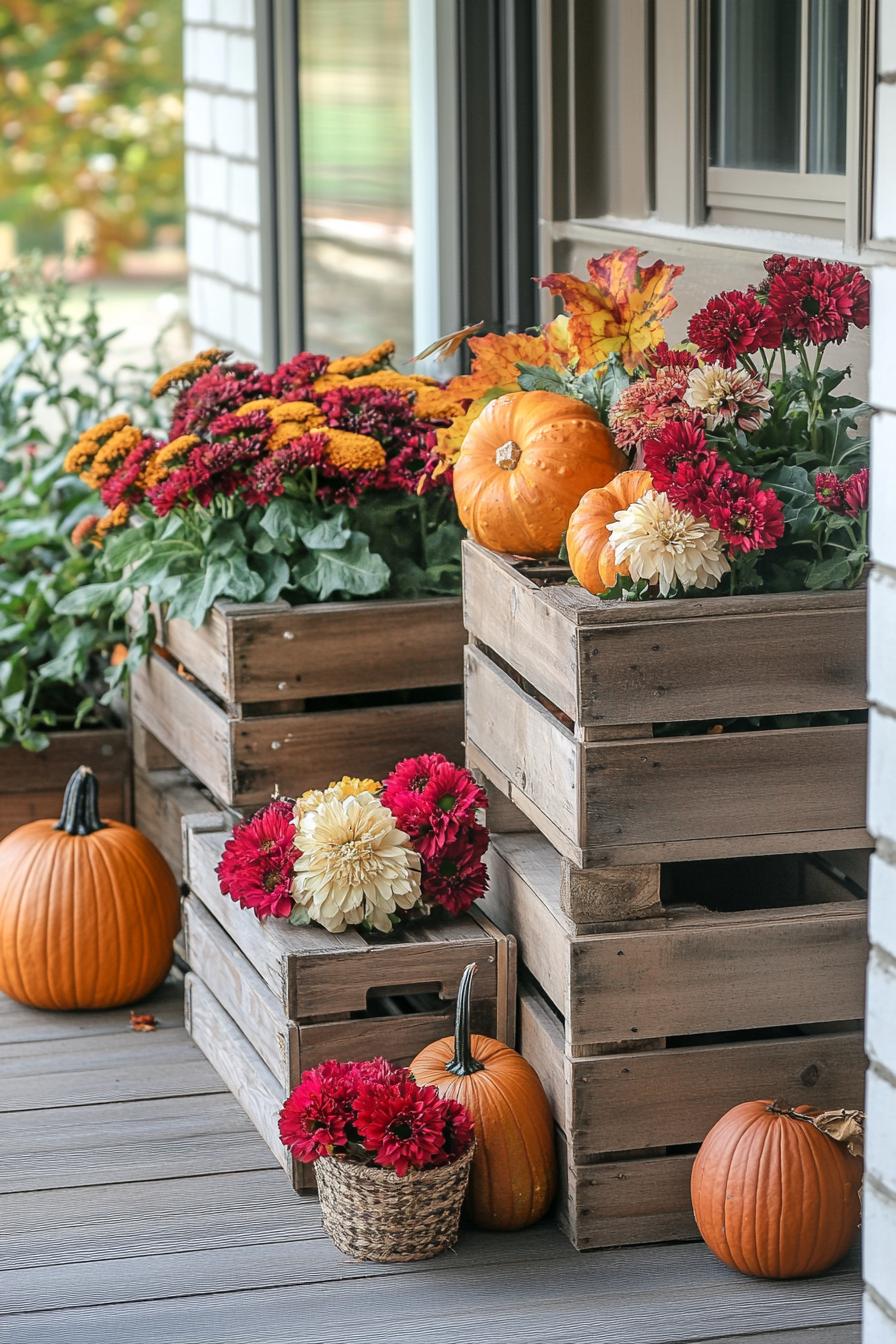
138 1204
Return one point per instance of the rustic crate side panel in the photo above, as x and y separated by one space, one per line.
34 781
719 973
306 751
536 754
339 648
186 722
204 651
629 1203
753 784
523 895
237 986
239 1067
162 798
507 612
723 667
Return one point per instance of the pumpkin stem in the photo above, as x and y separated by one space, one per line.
508 455
80 804
463 1063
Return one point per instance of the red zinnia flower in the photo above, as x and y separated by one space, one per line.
455 876
678 441
401 1124
319 1114
829 491
690 484
256 867
818 301
410 776
457 1130
855 493
748 517
732 323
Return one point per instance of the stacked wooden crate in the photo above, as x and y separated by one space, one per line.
652 1001
266 694
34 781
266 1000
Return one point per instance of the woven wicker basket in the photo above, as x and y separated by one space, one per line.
370 1213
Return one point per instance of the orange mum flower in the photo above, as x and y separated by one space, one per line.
435 403
112 452
328 380
371 359
116 517
354 452
161 464
106 427
394 381
189 371
259 404
84 530
297 412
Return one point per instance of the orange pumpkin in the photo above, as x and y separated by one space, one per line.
513 1179
588 544
525 463
772 1195
88 908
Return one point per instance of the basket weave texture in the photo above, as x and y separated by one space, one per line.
370 1213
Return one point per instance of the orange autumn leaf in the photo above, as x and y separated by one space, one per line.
495 360
143 1021
618 310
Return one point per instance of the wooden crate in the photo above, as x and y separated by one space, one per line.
563 692
296 996
162 799
268 693
34 781
645 1032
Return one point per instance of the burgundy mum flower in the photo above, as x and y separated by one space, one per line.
319 1114
818 301
855 493
829 491
663 357
225 387
410 776
732 323
456 876
401 1124
294 380
679 441
457 1130
748 517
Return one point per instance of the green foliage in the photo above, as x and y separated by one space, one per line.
598 388
92 117
57 382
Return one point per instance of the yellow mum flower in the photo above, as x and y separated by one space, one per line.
349 786
78 456
354 452
285 434
116 517
371 359
328 380
188 371
259 404
113 452
394 381
434 403
298 412
105 427
160 465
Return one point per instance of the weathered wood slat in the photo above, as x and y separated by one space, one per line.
626 1203
34 781
185 721
162 798
95 1146
649 1099
20 1023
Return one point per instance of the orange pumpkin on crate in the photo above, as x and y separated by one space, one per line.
88 908
773 1195
514 1174
591 555
525 463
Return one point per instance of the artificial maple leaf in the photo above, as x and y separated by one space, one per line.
495 360
143 1021
449 440
618 310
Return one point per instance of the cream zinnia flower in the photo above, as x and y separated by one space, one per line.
723 395
667 546
355 865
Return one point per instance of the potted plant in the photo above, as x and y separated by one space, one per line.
392 1159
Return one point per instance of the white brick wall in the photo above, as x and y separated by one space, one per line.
222 180
879 1199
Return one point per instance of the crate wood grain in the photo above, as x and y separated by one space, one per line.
34 781
247 653
687 972
313 973
241 759
604 663
162 798
649 800
613 1103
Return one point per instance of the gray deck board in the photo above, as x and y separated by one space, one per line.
138 1203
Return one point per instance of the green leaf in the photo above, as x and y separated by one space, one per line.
88 600
353 570
284 519
328 534
830 573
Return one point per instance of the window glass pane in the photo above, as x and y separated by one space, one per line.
755 84
827 85
354 87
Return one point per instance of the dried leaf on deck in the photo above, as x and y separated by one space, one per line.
143 1021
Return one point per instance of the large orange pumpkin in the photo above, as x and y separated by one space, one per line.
772 1195
588 544
525 463
88 908
513 1179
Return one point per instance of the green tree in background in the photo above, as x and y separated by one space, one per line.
91 119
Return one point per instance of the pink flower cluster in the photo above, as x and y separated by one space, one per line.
436 803
849 496
748 516
374 1114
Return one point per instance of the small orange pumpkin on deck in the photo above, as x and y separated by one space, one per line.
514 1175
772 1195
525 463
88 908
591 555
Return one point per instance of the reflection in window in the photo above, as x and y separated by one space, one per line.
354 87
778 85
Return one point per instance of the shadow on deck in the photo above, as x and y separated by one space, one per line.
137 1203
